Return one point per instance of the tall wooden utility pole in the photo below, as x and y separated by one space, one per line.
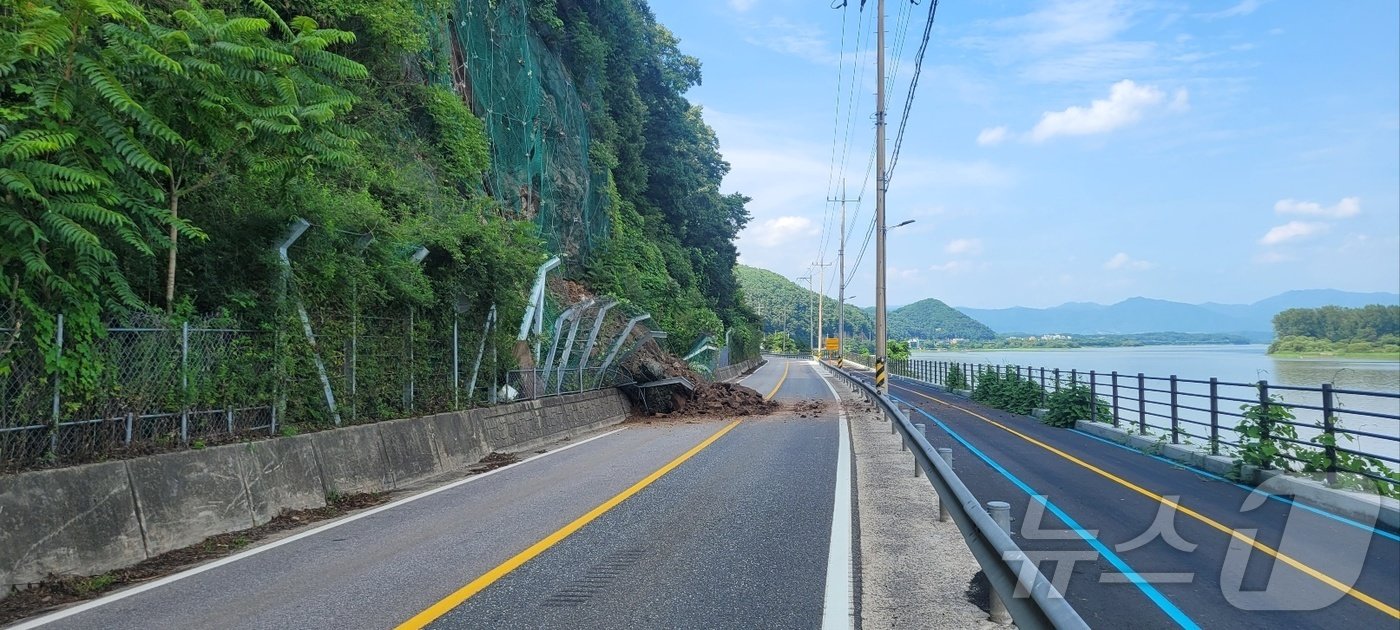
881 383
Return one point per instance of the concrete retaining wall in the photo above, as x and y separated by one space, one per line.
86 520
726 373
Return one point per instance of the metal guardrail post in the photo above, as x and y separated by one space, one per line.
1001 513
947 455
1176 422
1329 429
1214 416
1142 404
1265 425
1115 398
1093 397
918 471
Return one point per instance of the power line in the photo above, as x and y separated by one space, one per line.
913 86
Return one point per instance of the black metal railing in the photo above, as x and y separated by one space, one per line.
1337 423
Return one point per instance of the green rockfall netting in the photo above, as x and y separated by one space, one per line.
540 167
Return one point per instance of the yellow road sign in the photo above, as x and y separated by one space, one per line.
832 343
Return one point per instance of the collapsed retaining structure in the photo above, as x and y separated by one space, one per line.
89 519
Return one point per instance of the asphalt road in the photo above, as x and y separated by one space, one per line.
736 535
1137 563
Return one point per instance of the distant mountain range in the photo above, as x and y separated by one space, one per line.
1142 315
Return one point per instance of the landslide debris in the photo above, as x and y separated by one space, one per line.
651 364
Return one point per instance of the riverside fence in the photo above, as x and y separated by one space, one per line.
153 385
1336 422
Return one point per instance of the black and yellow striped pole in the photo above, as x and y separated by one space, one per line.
880 374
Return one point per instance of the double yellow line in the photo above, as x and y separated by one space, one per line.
1282 557
461 595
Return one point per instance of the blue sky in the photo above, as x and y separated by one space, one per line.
1071 150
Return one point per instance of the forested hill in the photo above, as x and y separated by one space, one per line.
1333 329
154 154
932 319
784 306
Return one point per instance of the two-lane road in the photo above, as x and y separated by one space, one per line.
676 523
1145 542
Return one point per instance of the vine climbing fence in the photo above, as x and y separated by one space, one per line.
163 385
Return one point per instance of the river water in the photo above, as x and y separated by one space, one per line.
1228 363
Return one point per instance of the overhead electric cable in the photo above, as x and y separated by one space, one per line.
909 98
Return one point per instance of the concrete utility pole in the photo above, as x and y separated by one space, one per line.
841 303
821 300
808 278
881 384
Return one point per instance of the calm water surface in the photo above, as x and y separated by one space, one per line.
1229 363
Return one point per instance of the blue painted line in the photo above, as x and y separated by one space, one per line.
1143 585
1206 473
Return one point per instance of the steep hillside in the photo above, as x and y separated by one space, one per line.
785 306
932 319
388 136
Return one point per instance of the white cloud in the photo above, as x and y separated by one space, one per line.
1347 207
1245 7
1122 260
775 232
742 6
1125 105
1181 101
802 40
1292 230
969 246
991 136
1067 41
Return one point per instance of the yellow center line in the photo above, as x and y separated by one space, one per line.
1285 558
773 393
456 599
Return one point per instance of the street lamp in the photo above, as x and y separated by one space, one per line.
881 327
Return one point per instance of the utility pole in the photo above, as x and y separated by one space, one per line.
881 385
821 300
841 303
810 331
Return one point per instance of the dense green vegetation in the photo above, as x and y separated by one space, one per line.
1373 329
1008 391
672 250
785 306
931 320
152 155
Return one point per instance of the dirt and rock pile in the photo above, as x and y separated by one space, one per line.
652 364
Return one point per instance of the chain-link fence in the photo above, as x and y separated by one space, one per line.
159 386
152 386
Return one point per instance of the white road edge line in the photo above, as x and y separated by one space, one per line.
81 608
837 607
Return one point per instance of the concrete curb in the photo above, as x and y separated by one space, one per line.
1356 505
89 519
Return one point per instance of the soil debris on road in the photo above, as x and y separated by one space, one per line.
63 589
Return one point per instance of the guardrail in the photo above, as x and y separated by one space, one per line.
1010 572
1338 423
